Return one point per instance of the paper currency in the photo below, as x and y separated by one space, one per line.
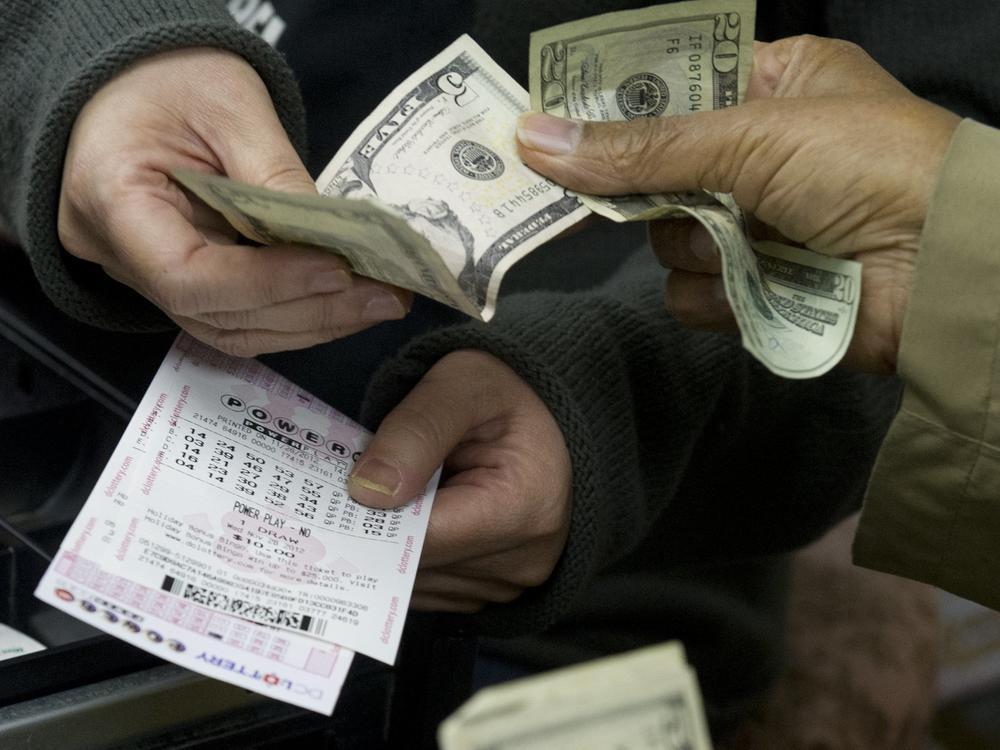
428 193
678 59
647 698
375 239
665 60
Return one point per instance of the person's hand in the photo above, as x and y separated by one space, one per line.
205 110
501 514
829 151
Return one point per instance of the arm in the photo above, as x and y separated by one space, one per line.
831 152
931 512
666 429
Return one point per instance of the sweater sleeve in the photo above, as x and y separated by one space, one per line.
53 57
932 511
650 412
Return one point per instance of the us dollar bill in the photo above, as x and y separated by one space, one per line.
428 193
647 698
375 240
669 59
677 59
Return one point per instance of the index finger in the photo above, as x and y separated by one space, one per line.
180 270
808 65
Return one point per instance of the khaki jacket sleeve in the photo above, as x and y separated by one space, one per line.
932 511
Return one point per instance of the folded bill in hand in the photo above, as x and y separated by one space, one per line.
429 194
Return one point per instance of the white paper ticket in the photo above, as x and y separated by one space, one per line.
15 643
228 492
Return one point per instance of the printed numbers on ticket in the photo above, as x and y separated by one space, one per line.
228 491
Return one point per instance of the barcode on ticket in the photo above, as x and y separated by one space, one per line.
253 611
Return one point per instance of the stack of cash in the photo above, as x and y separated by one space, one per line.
429 194
647 698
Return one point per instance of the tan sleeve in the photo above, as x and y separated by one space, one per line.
933 506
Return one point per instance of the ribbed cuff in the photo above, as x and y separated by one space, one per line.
631 392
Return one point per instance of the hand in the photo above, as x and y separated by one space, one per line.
501 515
829 151
205 110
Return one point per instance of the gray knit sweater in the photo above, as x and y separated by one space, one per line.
690 463
53 56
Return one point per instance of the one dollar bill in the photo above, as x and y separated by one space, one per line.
647 698
678 59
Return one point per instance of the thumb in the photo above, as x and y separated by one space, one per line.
414 440
701 151
267 158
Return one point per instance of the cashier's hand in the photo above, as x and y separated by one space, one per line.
205 110
501 515
829 151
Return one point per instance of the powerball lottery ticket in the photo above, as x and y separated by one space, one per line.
228 491
287 666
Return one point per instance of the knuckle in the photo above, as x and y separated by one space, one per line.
533 574
269 288
677 301
241 343
663 233
173 294
733 154
817 53
506 595
836 47
231 320
325 312
416 427
282 175
632 148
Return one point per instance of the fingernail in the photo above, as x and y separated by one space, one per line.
383 307
548 134
330 281
702 244
375 475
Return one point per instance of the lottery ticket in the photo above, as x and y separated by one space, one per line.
228 492
14 643
290 667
